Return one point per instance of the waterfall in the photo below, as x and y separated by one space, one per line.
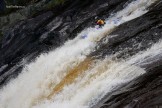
67 78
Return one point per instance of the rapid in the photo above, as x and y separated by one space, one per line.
68 78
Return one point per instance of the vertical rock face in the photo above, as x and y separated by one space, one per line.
49 29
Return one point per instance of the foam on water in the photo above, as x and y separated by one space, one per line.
38 79
103 76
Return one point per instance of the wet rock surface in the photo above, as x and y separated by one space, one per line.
143 92
133 36
30 37
129 39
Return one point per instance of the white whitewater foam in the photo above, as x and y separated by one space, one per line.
103 77
49 69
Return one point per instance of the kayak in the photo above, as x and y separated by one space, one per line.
84 36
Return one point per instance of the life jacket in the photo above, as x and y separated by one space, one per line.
100 22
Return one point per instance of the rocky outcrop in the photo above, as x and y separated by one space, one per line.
132 37
23 14
143 92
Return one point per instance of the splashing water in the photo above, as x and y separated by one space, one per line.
65 78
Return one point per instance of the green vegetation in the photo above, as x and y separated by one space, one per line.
15 2
33 10
54 3
47 6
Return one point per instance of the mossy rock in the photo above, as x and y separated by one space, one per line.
20 2
54 3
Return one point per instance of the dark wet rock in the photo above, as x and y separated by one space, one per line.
2 6
52 38
133 36
23 36
49 29
129 39
143 92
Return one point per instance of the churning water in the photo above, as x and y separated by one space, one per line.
67 78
